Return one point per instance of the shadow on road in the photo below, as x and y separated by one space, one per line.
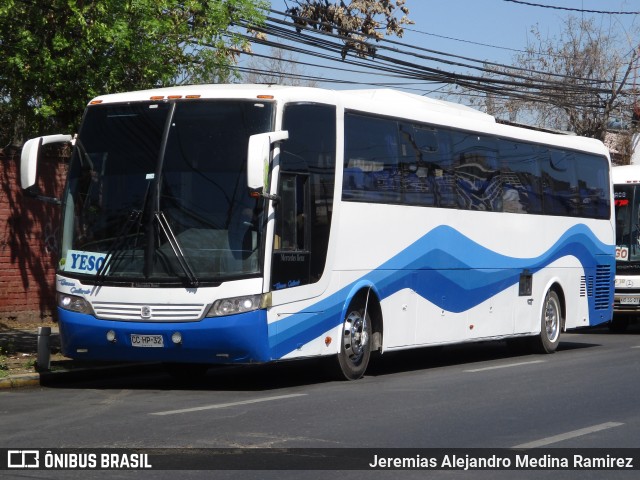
310 372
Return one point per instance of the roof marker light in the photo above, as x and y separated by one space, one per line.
265 97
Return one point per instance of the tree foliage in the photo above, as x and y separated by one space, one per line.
356 22
56 55
577 82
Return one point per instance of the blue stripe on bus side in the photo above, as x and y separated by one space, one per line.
456 274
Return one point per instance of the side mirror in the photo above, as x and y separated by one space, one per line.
29 157
258 159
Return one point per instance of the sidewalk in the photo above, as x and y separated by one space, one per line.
19 354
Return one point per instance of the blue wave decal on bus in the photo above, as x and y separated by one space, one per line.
453 265
454 273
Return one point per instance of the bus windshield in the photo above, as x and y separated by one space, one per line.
627 199
157 193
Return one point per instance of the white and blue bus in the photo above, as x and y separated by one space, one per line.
626 185
240 224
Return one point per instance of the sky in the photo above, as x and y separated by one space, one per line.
491 30
504 24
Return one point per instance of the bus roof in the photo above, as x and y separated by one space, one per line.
282 92
411 100
379 101
622 174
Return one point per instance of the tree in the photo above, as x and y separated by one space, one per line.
56 55
577 82
356 23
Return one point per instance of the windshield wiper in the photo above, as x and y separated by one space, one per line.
115 250
176 247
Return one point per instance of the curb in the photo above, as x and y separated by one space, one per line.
17 381
51 378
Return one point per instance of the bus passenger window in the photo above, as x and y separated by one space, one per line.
418 151
593 185
560 187
477 175
521 182
371 172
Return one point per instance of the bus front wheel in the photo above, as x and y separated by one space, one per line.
550 324
355 348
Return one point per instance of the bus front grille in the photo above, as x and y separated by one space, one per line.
137 312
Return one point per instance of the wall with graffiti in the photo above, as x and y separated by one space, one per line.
29 239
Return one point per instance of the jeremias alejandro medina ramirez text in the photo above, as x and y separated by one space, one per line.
517 461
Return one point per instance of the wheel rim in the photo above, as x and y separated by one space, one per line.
552 319
354 338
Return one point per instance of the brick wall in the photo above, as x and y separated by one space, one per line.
29 239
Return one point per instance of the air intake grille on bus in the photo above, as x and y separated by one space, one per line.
148 312
600 290
586 286
603 287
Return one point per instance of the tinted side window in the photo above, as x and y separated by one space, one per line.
416 182
426 166
390 161
593 186
442 165
371 170
560 185
522 184
477 175
395 161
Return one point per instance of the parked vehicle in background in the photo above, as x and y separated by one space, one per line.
626 187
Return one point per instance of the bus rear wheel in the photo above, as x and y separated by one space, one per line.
355 348
550 324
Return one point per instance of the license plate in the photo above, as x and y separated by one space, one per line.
146 340
629 301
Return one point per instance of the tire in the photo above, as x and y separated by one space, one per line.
619 324
550 324
355 346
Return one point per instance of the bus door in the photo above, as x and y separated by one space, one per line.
302 217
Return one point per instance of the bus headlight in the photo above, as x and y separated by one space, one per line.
73 303
234 305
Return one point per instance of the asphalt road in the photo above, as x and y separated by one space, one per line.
586 395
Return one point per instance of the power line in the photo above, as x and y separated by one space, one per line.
507 89
471 42
406 68
326 29
569 91
581 10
